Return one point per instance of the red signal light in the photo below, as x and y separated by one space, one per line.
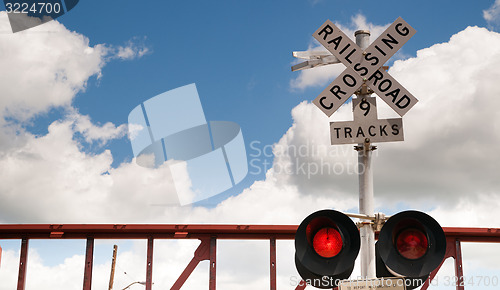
327 242
412 244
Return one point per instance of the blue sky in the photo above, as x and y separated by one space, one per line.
63 143
237 52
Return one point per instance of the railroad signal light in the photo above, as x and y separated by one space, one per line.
327 243
411 244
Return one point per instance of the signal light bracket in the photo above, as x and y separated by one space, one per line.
380 220
377 220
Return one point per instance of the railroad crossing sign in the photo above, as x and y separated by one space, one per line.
364 74
363 67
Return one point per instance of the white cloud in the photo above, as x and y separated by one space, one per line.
492 14
91 132
58 179
135 48
44 67
454 121
134 130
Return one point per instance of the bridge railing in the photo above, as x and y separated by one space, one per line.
207 250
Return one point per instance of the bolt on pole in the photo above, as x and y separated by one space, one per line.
365 173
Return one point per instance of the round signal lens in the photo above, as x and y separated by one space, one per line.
412 244
327 242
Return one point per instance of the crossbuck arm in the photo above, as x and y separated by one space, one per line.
313 59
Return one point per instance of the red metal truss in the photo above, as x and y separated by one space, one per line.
453 250
208 235
145 231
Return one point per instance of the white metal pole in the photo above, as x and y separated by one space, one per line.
365 173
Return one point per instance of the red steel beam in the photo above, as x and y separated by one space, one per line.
149 264
162 231
23 263
485 235
459 271
453 250
213 263
202 253
273 263
301 286
89 261
144 231
450 253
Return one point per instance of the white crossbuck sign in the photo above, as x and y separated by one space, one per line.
364 67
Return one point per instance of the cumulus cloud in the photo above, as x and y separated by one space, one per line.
51 178
46 66
43 68
456 119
